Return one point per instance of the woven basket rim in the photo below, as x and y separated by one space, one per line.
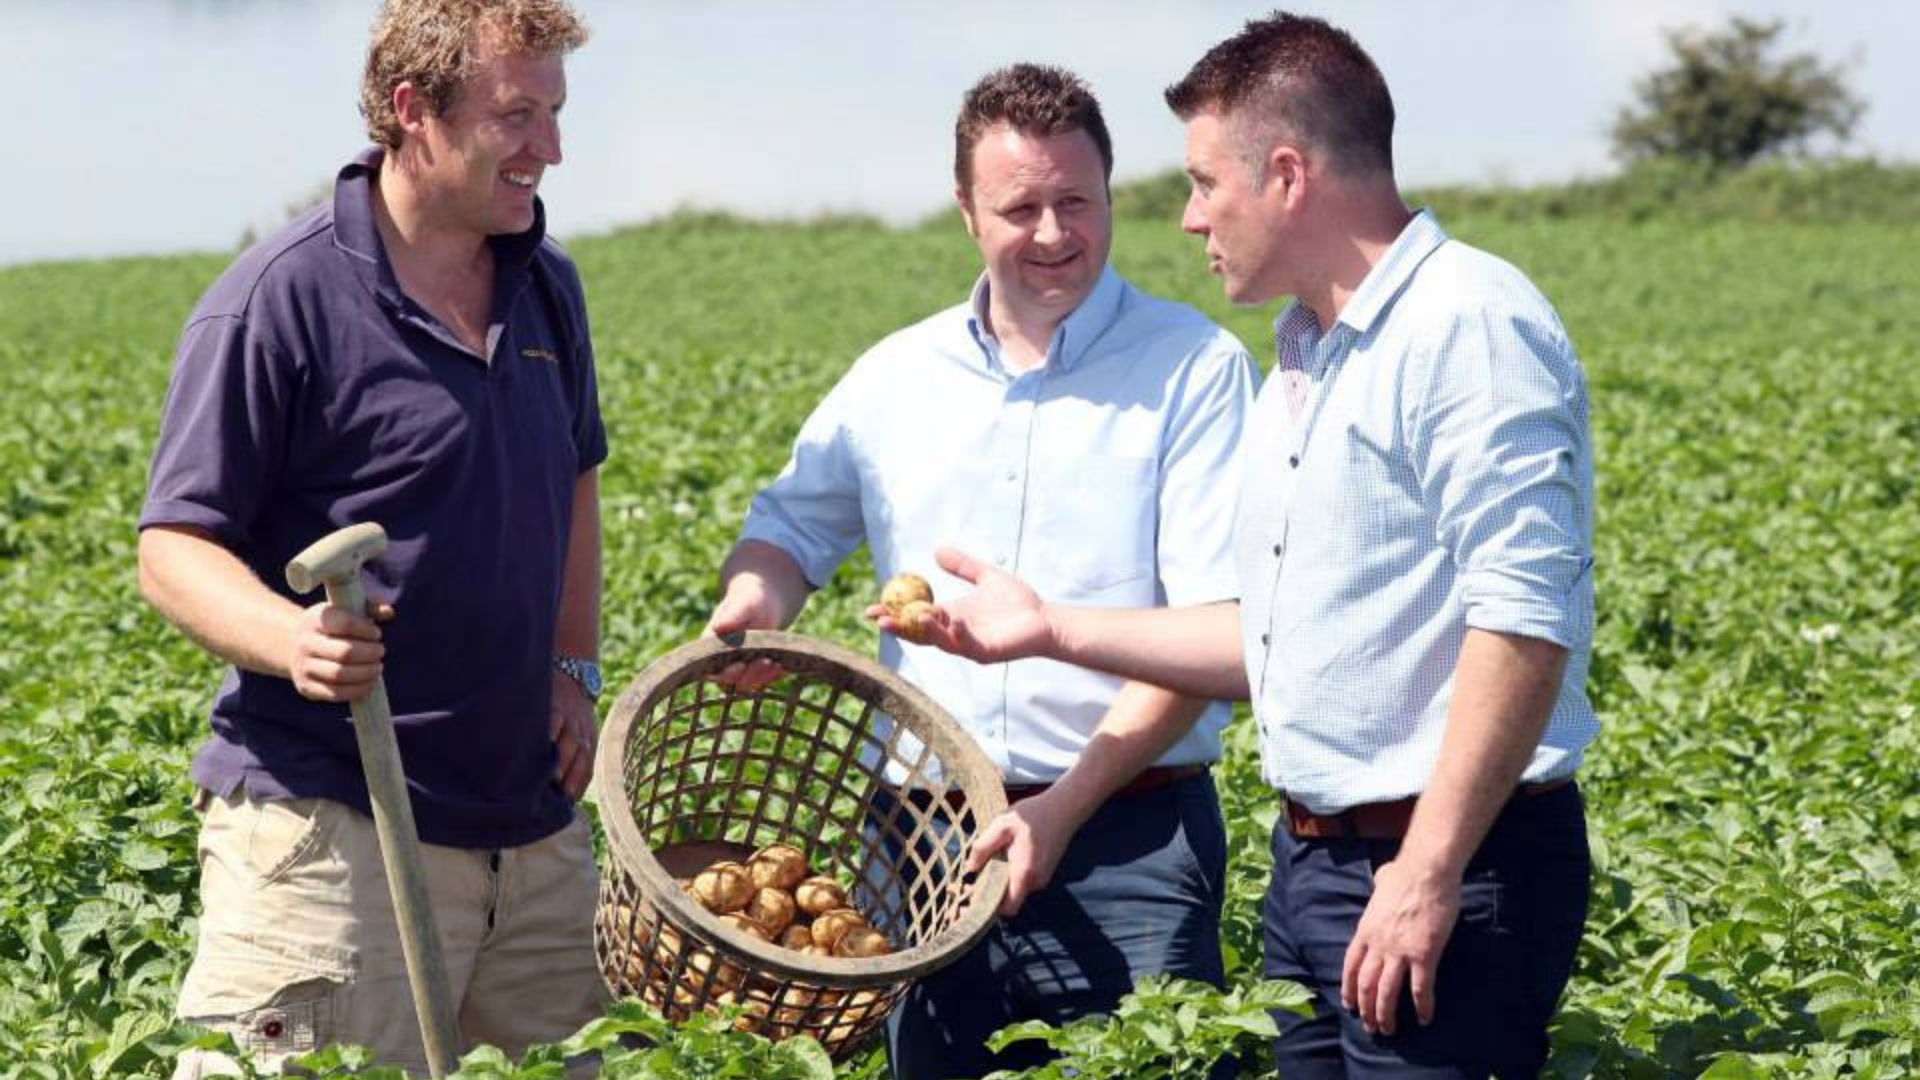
923 717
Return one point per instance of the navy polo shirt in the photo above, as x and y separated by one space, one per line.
309 393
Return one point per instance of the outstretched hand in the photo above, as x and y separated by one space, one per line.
1001 619
747 605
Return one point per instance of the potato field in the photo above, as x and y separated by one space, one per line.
1754 796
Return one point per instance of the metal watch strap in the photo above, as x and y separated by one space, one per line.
582 671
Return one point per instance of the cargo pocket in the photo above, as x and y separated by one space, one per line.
274 1000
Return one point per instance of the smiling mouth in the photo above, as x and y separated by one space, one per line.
1054 264
521 179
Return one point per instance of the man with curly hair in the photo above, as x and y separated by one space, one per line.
414 353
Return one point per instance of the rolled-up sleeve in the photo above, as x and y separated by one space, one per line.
1200 474
812 509
1498 443
223 430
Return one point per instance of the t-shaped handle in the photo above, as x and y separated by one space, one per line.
336 557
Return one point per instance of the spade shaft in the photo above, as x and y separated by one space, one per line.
334 561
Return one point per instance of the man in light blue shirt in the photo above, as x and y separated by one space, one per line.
1414 547
1085 435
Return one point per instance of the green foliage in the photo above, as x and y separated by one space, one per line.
1167 1027
1726 101
1659 189
1754 802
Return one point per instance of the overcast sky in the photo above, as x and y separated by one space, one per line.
168 125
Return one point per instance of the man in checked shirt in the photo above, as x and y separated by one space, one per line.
1416 600
1087 434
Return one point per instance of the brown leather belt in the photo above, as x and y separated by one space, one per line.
1376 821
1147 780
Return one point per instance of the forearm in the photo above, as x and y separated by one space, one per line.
1140 725
205 590
576 630
763 585
1189 650
1503 693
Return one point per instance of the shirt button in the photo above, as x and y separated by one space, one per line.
1000 559
1012 476
1278 549
1294 461
1266 639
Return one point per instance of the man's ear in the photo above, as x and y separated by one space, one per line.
410 106
1286 173
965 201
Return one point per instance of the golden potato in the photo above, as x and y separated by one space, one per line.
916 619
798 997
904 589
787 1020
796 936
829 926
819 893
773 909
860 941
777 866
723 887
703 966
746 924
858 1008
908 598
753 1015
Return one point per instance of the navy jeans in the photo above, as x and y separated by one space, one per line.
1138 891
1522 909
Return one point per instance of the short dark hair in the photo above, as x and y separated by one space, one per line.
1035 100
1296 77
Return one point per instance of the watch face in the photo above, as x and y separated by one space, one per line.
590 678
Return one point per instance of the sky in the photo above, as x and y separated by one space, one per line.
157 126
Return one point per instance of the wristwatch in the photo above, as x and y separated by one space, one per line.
584 672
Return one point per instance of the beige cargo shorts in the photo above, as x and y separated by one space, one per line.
299 946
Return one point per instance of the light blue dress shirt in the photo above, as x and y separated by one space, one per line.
1106 476
1439 477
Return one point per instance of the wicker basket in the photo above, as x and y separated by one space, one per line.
840 758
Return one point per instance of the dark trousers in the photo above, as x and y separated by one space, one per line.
1522 909
1137 892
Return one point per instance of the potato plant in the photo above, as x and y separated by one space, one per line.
1754 796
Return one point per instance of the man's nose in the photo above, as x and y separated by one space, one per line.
546 142
1191 218
1049 229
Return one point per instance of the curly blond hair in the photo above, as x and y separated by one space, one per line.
433 44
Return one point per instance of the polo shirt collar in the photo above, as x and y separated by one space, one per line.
1075 334
1421 237
357 236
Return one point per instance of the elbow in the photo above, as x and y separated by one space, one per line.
160 553
147 573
